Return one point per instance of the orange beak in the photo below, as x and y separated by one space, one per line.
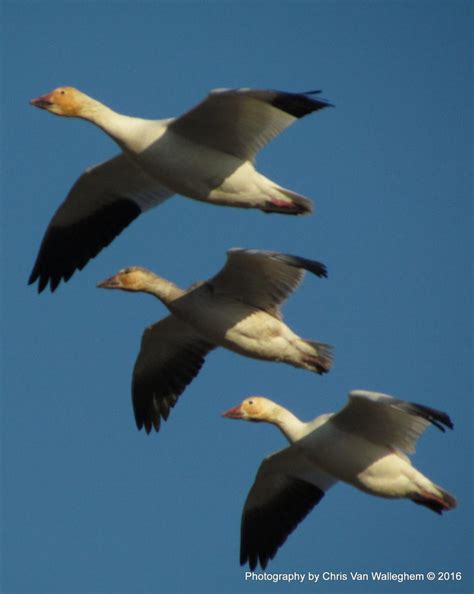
110 283
42 102
233 413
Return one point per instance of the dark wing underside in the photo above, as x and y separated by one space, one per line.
266 525
67 249
102 202
170 357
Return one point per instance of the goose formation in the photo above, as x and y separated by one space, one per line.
208 154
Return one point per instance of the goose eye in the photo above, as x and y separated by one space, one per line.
250 402
63 92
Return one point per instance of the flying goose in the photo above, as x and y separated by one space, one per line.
207 154
364 444
237 309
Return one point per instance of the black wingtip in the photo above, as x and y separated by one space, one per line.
314 266
265 529
42 284
438 418
34 276
65 249
317 268
299 104
43 280
317 92
146 419
156 391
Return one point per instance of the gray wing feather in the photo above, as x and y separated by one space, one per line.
241 121
386 420
262 279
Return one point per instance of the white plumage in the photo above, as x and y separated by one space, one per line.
207 154
363 444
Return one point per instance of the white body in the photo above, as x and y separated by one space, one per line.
239 327
377 469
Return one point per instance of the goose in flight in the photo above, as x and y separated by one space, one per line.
364 444
237 309
207 154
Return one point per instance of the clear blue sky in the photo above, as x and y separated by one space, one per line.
89 504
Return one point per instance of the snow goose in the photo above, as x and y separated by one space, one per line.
207 154
364 444
237 309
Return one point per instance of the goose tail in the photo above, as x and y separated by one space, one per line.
435 498
318 357
285 201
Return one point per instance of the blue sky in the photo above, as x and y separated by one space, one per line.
89 504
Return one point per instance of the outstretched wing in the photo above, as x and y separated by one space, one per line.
103 201
386 420
241 121
286 489
170 357
262 279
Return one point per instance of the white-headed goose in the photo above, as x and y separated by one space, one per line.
207 154
237 309
364 444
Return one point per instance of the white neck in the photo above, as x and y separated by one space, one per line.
164 290
125 130
291 427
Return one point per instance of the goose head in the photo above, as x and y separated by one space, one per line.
254 408
134 278
63 101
